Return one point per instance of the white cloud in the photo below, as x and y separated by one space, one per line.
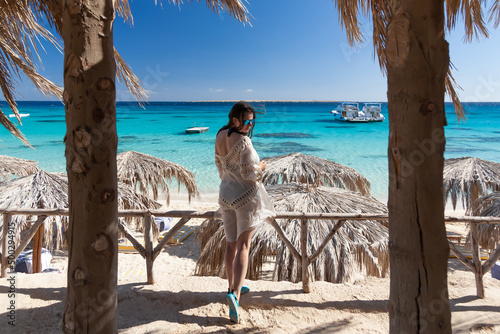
218 90
249 91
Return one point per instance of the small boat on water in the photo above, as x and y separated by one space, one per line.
349 112
197 129
21 115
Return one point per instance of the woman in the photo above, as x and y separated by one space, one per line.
243 200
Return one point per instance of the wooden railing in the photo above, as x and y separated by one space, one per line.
150 254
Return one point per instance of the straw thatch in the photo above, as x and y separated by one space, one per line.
469 178
301 168
152 173
357 246
50 191
16 166
487 206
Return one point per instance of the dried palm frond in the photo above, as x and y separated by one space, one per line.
235 8
451 86
15 166
469 178
124 73
19 34
146 171
212 242
495 13
472 13
301 168
487 206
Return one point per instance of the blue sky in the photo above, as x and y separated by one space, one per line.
294 50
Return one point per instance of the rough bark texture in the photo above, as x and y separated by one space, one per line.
91 142
417 56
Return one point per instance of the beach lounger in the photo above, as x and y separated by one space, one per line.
468 253
454 236
181 235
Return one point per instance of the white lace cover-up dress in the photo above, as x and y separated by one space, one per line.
243 199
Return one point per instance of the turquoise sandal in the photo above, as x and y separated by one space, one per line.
232 302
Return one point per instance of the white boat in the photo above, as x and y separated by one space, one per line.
197 129
21 115
373 110
349 112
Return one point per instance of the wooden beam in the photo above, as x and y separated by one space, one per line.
326 241
476 260
287 242
29 235
148 245
305 258
488 264
169 235
460 256
37 250
137 245
279 215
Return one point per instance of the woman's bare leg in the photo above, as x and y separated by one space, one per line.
229 261
241 261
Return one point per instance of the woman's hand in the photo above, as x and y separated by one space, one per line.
263 165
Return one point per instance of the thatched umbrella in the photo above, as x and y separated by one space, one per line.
145 171
469 178
301 168
50 191
357 245
360 244
16 166
487 206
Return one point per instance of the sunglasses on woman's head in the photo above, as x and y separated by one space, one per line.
249 121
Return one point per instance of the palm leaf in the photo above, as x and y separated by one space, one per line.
15 166
301 168
152 174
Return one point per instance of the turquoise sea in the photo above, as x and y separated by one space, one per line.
305 127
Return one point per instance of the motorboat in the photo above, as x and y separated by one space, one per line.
197 129
349 112
20 115
373 110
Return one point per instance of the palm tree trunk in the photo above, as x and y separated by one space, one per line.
91 142
417 58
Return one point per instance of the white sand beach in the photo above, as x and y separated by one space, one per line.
180 302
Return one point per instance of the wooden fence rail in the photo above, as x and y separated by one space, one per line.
149 253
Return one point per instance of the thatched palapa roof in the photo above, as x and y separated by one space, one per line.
469 178
487 206
149 172
357 246
50 191
301 168
16 166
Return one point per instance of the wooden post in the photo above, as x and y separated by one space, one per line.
29 235
37 250
148 244
6 222
305 259
476 260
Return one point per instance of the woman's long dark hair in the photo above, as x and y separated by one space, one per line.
237 111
